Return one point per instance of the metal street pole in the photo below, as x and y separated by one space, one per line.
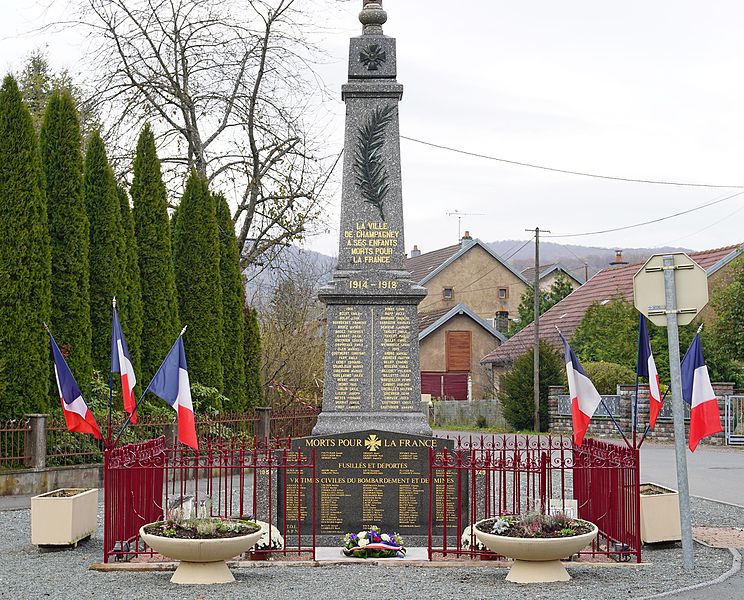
536 338
536 341
670 293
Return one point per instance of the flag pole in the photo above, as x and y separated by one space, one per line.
648 426
634 416
607 410
111 377
136 406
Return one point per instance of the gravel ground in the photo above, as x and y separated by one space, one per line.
26 572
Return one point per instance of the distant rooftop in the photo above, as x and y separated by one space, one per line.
605 285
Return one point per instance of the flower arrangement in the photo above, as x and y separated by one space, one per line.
373 544
535 525
270 538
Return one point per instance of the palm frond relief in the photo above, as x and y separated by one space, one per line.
371 174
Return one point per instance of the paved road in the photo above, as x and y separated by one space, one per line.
713 472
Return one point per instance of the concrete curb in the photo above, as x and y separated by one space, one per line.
720 502
390 563
735 568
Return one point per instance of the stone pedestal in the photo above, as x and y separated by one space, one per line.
372 378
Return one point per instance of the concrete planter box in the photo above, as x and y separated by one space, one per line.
659 514
61 520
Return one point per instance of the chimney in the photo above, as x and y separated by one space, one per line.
415 251
618 259
466 240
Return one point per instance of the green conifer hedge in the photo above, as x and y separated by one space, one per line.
197 265
157 279
233 303
69 232
25 265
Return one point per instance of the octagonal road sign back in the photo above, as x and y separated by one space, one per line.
691 284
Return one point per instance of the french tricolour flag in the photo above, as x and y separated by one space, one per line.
78 417
646 367
120 363
705 418
584 396
171 383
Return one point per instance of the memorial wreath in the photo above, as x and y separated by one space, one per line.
373 544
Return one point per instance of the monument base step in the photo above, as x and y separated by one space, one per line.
335 554
411 423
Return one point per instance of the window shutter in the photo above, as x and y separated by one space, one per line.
459 353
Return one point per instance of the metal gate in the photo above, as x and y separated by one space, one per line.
734 420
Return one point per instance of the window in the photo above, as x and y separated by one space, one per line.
501 322
503 293
458 351
448 293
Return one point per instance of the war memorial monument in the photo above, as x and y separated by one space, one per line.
372 442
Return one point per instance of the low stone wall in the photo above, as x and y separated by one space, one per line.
467 412
602 426
39 481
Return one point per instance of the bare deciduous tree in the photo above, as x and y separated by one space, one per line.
226 86
292 329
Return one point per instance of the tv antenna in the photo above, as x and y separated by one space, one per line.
460 215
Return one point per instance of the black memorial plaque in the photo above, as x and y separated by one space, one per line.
370 478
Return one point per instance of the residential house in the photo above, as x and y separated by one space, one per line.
451 343
472 295
606 284
549 273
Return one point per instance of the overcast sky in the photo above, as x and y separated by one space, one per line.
638 89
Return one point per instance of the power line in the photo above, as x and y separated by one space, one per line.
465 289
678 214
713 224
567 171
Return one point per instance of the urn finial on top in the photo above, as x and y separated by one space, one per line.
372 17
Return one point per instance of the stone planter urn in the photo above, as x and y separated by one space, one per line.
536 560
202 560
659 514
63 517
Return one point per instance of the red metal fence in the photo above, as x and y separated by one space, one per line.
483 477
489 476
226 479
64 448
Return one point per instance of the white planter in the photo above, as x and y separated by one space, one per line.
536 559
63 521
202 561
660 515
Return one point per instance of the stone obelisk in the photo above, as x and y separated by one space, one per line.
371 376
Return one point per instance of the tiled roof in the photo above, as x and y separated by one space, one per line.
429 318
545 270
568 313
435 319
423 264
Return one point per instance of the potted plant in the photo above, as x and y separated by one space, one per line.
270 540
63 517
202 545
536 542
371 543
468 541
659 514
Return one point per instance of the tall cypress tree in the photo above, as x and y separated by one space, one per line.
131 310
197 264
254 389
107 250
69 232
25 264
157 278
233 303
